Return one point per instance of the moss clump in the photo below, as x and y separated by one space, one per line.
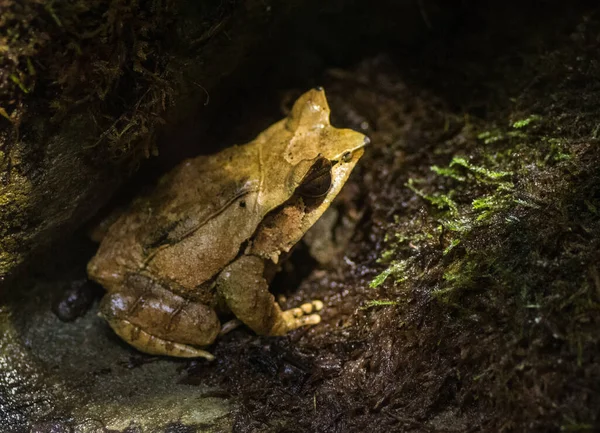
504 253
489 188
12 203
80 55
378 303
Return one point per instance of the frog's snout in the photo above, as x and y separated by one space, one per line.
366 141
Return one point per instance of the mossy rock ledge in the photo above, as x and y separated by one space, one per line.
84 89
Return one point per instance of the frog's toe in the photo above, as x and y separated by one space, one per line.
153 345
305 309
296 312
312 319
293 321
301 316
309 307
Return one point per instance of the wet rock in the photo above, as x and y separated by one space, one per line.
75 377
76 300
51 427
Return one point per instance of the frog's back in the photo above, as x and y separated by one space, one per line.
189 227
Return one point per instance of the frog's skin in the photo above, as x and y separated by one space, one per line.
210 236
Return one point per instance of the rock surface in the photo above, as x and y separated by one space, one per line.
76 377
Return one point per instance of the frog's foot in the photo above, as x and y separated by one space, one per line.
293 318
153 345
297 317
246 292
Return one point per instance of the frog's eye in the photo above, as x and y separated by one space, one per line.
347 156
317 181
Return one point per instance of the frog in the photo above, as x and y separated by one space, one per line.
206 241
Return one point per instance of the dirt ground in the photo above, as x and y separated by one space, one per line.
466 293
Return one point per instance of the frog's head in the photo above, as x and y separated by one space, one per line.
321 155
304 164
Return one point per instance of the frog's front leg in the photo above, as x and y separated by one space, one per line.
246 293
161 323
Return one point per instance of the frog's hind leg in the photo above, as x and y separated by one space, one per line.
161 324
246 293
153 345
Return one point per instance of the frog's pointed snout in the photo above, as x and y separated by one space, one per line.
362 143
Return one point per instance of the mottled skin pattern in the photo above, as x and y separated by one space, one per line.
208 239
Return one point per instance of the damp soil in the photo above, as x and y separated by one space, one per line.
467 291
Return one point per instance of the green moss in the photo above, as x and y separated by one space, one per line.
482 174
14 200
457 224
440 201
448 172
19 83
490 137
378 303
471 195
104 58
454 243
397 270
573 426
525 122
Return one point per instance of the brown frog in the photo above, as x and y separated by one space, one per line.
210 237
